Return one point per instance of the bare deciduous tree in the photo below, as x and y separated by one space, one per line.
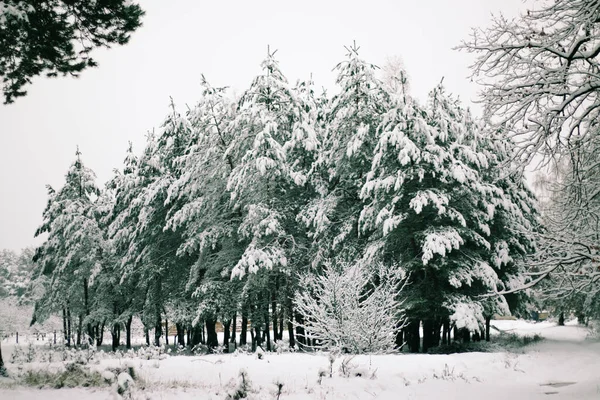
541 75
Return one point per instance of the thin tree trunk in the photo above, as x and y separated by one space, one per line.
64 312
226 334
437 328
115 336
234 329
244 330
79 330
201 333
2 368
267 329
100 334
166 331
280 335
561 319
180 334
414 338
274 313
300 334
86 304
147 334
290 326
157 330
68 326
128 333
257 337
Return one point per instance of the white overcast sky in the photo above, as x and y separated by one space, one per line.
128 94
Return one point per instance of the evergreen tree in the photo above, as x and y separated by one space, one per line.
71 256
55 37
431 205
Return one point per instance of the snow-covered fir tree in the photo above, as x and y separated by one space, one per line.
246 208
71 257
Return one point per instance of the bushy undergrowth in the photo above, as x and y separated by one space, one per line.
503 342
74 375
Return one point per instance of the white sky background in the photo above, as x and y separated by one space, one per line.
128 94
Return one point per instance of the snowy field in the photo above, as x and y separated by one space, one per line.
564 366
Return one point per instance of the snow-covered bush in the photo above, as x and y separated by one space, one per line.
349 308
242 389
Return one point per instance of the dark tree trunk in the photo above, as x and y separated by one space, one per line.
455 334
68 326
267 329
487 328
211 333
147 333
226 334
86 304
280 334
180 334
290 327
399 338
561 319
189 336
437 329
257 338
427 334
157 330
166 331
100 334
79 330
466 335
2 368
300 334
64 311
414 338
244 330
253 339
234 329
476 336
116 329
128 331
274 313
195 338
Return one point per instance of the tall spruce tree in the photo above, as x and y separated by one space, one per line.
71 256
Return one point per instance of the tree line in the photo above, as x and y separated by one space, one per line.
236 205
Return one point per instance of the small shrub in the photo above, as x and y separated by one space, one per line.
321 374
74 375
347 367
244 386
279 385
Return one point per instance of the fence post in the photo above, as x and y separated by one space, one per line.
17 337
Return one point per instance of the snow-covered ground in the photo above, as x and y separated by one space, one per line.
565 366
